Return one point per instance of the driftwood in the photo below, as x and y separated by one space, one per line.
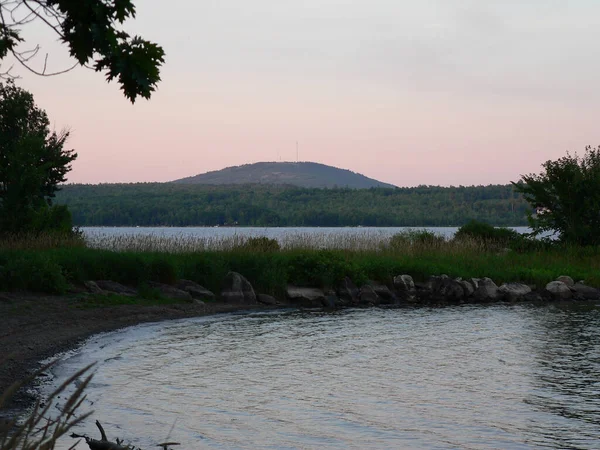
105 444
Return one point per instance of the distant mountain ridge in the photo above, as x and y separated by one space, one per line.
301 174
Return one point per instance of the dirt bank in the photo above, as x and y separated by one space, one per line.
34 327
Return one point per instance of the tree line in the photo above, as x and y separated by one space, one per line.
168 204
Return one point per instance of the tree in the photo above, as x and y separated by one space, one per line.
566 197
90 30
32 164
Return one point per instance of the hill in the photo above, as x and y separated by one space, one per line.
172 204
301 174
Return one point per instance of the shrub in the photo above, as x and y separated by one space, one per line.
261 244
34 272
502 237
416 237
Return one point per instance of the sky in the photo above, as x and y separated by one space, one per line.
428 92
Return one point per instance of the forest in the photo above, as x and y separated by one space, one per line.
170 204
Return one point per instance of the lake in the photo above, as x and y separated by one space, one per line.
472 377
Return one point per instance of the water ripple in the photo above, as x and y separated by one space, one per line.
466 377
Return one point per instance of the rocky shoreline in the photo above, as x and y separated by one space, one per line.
35 327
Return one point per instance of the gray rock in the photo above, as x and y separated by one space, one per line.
445 289
195 290
368 296
468 287
405 286
331 298
116 288
93 287
386 296
566 279
199 302
266 299
585 292
171 292
486 291
559 290
236 289
514 291
306 297
347 293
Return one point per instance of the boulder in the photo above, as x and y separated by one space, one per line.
266 299
468 287
93 287
368 296
405 286
171 292
386 296
306 297
559 290
331 298
566 279
195 290
486 291
113 287
445 289
347 293
237 290
585 292
514 291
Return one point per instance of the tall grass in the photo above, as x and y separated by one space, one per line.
310 260
52 270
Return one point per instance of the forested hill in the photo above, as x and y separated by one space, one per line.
301 174
169 204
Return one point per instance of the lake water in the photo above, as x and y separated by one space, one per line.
487 377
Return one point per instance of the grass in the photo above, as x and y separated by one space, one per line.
319 261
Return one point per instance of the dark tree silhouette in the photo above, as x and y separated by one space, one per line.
90 29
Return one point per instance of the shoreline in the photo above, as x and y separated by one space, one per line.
36 327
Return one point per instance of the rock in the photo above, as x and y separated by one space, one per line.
347 293
93 287
331 298
445 289
368 296
585 292
196 291
468 287
306 297
237 290
266 299
405 286
171 292
486 291
514 291
566 279
386 296
116 288
533 296
559 290
199 302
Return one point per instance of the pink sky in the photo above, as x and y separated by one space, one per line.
443 92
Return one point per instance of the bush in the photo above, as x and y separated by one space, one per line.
33 272
416 237
489 234
261 244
